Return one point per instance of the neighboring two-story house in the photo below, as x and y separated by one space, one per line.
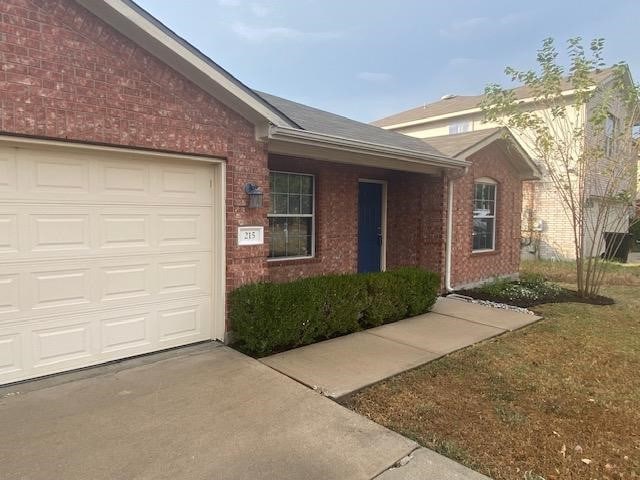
546 231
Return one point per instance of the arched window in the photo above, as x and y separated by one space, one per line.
484 214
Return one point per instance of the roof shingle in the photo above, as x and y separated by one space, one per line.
458 103
320 121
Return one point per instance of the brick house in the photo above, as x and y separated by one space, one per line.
547 231
131 168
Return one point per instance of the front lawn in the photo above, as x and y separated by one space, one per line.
557 400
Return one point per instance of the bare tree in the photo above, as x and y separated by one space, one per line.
578 122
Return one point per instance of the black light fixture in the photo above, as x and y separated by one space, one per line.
255 195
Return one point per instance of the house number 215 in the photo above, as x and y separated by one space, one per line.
250 235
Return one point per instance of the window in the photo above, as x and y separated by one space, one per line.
459 127
610 125
484 215
291 221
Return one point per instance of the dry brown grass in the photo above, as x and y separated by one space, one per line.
564 272
533 403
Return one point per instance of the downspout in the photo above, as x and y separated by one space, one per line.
449 238
449 235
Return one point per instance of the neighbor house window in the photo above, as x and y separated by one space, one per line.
459 127
610 125
484 215
291 221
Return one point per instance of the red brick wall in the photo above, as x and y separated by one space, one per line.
414 218
67 75
469 267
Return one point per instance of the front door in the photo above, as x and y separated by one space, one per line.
369 227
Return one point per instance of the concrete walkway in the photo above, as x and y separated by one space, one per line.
195 413
425 464
346 364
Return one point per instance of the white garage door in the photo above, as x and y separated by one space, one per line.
102 256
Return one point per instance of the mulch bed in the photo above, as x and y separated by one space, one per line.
568 296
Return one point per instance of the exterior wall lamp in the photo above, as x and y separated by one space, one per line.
255 194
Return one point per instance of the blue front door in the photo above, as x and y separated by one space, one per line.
369 227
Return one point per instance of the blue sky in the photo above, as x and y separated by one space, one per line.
370 58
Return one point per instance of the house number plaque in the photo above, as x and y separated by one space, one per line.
250 235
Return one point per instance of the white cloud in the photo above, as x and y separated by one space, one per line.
466 26
229 3
256 34
259 10
374 77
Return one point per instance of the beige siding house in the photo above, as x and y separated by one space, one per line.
546 231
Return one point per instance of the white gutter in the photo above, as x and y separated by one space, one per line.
306 137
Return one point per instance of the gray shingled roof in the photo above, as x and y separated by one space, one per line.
455 144
458 103
320 121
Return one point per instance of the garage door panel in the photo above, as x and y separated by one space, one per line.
124 230
60 289
117 179
43 289
62 231
126 281
33 232
186 184
9 293
183 322
58 174
41 347
8 233
38 175
126 332
101 257
11 358
8 171
61 344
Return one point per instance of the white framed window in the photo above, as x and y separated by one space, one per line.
484 214
291 215
610 125
459 127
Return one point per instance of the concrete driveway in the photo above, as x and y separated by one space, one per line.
206 412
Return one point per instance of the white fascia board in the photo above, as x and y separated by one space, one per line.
186 60
306 137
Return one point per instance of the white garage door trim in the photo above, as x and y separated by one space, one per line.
9 373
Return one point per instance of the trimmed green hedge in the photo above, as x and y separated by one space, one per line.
269 317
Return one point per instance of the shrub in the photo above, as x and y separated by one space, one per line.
418 289
268 317
386 301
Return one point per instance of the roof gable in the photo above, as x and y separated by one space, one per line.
463 145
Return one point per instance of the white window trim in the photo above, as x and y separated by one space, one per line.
290 215
487 181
